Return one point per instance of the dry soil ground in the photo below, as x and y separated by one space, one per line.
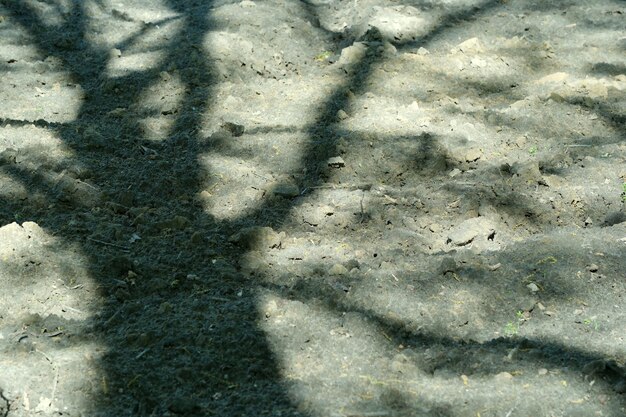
360 208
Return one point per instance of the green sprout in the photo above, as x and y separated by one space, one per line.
323 56
533 150
591 322
512 328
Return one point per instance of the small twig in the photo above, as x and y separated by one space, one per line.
75 310
110 319
260 176
88 185
143 352
109 244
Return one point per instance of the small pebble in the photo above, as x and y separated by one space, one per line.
454 172
336 162
235 129
435 228
286 190
504 376
196 238
338 269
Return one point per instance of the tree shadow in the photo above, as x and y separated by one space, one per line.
199 338
177 312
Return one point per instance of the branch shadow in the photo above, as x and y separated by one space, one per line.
162 323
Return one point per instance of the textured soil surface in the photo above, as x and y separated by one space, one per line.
361 208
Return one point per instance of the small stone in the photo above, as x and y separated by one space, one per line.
533 287
528 172
495 267
504 376
336 162
471 45
465 379
525 305
165 76
557 97
435 227
588 221
399 363
557 77
271 308
342 115
542 371
286 190
423 51
473 155
145 339
165 307
470 229
352 54
234 128
179 223
454 172
196 238
413 107
593 268
338 269
258 238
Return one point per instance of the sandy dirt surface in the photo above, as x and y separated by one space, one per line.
359 208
